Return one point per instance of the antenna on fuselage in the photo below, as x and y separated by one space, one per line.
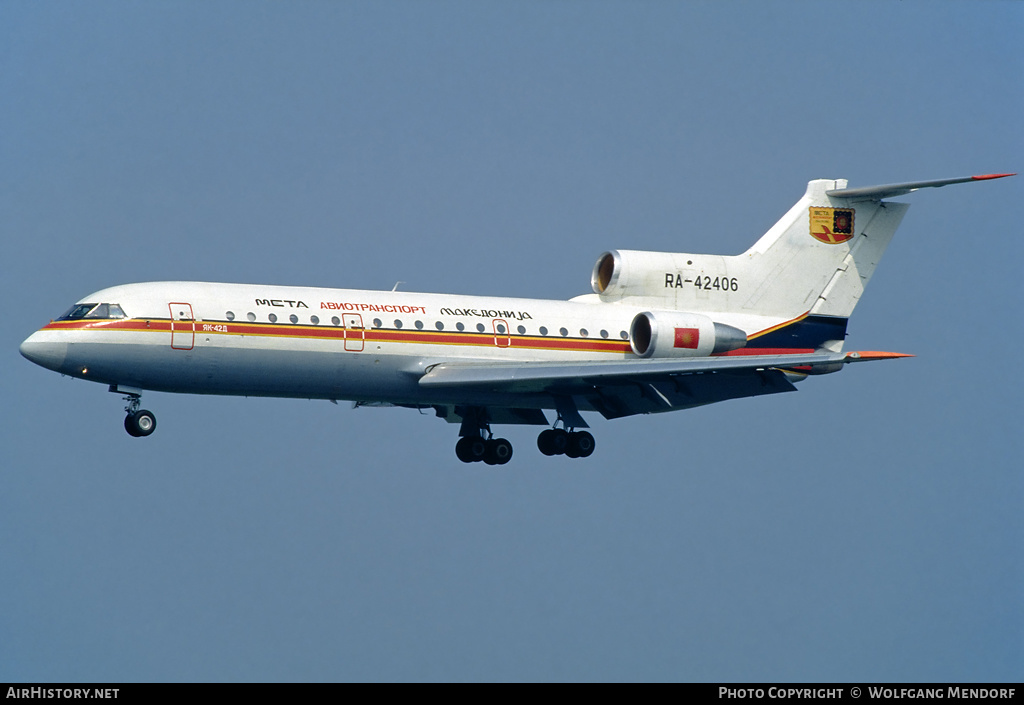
395 287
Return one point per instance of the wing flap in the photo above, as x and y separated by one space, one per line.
683 392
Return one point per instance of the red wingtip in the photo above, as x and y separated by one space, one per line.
875 355
985 177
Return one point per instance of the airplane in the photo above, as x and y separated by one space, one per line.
660 332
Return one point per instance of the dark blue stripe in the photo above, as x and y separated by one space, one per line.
811 332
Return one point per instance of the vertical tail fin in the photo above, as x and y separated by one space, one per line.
820 256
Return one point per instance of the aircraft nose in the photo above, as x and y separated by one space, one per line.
42 349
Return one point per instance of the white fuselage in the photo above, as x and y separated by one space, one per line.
662 331
254 340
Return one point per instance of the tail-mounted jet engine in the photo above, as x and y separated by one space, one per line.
630 273
681 334
623 273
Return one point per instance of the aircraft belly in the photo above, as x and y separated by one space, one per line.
250 369
239 371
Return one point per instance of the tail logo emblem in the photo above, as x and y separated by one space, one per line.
831 225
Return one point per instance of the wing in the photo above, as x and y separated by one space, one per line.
628 387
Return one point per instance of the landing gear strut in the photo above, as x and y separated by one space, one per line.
478 443
139 422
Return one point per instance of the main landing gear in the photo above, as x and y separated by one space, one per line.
493 451
139 422
478 443
559 441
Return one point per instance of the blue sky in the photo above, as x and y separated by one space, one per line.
865 529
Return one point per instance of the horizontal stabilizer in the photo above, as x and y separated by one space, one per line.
877 193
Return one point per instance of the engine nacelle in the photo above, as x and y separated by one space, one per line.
627 272
681 334
623 273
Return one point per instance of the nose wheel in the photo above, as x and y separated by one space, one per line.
139 423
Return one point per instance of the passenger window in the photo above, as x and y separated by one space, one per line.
293 318
584 332
251 316
543 330
480 327
563 331
501 328
377 323
314 320
419 325
439 325
604 334
273 318
624 335
335 320
230 315
522 330
460 326
398 323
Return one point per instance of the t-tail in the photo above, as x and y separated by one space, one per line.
798 284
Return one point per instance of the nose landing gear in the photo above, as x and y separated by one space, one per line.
139 422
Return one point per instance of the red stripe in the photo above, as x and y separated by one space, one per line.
764 351
117 324
340 333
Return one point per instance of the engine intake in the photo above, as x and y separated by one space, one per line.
620 274
681 334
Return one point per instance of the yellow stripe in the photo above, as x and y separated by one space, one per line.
781 325
601 345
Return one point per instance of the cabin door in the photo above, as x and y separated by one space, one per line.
355 334
502 336
183 326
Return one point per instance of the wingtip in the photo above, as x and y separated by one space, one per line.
986 177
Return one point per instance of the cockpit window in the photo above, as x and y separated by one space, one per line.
101 311
79 311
